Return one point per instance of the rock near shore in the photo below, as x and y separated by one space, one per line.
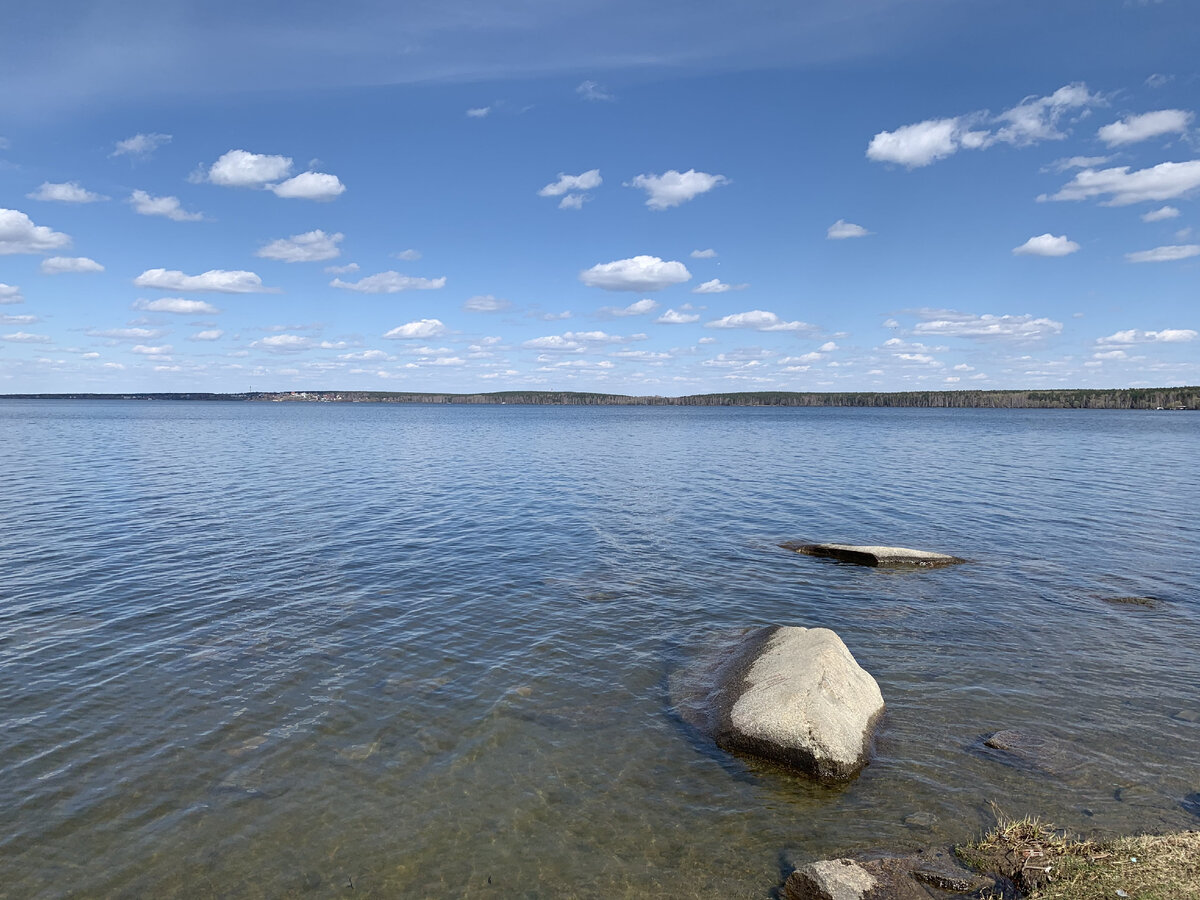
797 696
873 555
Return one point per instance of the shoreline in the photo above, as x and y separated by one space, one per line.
1158 399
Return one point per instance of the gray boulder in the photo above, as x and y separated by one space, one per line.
797 696
829 879
870 555
920 876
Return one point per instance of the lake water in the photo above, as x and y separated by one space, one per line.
269 650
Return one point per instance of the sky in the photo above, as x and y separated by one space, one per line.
658 198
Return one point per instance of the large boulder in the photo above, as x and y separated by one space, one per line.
797 696
871 555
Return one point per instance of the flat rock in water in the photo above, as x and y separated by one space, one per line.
1144 602
1040 752
797 696
870 555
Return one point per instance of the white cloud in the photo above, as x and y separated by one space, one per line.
1076 162
1162 182
127 334
590 90
177 305
342 270
478 112
24 337
146 205
18 234
841 229
57 265
1158 80
584 181
1169 253
284 343
239 168
759 320
1047 245
1160 214
312 246
1136 336
140 145
218 280
672 188
948 323
637 308
707 340
672 317
10 293
365 355
703 254
828 347
573 201
422 328
1033 120
485 303
389 283
716 286
409 255
310 186
638 273
211 334
145 350
1132 129
66 192
916 145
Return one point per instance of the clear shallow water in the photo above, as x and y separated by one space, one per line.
264 650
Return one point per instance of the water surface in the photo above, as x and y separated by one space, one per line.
264 650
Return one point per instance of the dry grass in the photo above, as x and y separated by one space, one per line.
1046 864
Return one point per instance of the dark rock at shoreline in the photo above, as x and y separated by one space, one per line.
1191 803
797 696
872 555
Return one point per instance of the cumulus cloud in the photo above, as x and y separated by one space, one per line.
146 205
1169 253
638 273
285 343
1047 245
10 293
342 270
409 255
674 317
1123 188
841 229
672 188
24 337
584 181
389 283
211 334
485 303
573 201
949 323
638 308
127 334
23 320
177 305
716 286
590 90
57 265
216 280
703 254
759 320
240 168
1133 129
310 186
1031 121
1076 162
422 328
312 246
1136 336
66 192
140 145
1160 214
146 350
478 112
18 234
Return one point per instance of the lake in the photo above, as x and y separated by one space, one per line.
268 650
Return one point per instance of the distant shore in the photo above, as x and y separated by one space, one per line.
1178 398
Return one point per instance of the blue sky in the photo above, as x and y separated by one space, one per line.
669 198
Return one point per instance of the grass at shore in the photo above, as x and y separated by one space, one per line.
1046 864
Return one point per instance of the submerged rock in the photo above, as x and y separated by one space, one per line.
1147 602
1031 750
797 696
870 555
